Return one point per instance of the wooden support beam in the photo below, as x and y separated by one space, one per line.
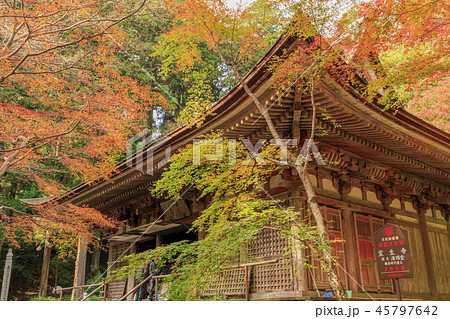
351 258
96 289
158 240
256 263
427 250
80 268
95 264
43 284
247 282
296 115
75 287
131 279
265 129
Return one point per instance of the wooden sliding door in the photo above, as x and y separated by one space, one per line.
367 225
334 226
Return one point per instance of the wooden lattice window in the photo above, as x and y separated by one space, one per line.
268 243
273 277
229 282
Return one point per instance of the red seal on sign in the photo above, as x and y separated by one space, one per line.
389 231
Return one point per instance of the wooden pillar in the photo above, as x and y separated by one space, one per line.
80 268
444 212
131 282
427 250
300 271
95 264
45 267
110 248
448 225
351 258
158 240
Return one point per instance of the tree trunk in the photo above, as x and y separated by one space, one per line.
328 262
43 284
80 269
150 118
9 160
95 264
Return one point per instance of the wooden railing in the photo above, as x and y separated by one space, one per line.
143 282
247 268
247 272
99 286
157 278
136 287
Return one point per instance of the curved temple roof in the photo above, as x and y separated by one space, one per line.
394 138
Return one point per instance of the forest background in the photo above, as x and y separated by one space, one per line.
80 78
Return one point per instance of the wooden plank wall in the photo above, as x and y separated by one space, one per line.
440 252
117 287
418 284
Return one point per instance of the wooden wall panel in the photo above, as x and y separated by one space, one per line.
418 284
268 245
440 252
117 287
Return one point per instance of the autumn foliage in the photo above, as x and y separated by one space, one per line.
66 109
410 39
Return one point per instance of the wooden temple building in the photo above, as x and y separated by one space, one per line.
381 167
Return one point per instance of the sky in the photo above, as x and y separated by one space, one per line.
235 3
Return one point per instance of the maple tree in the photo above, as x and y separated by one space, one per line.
41 37
408 41
66 109
236 34
144 61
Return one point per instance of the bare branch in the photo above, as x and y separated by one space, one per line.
31 218
88 22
